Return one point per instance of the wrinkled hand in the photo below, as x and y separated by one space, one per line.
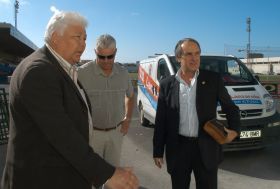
123 178
125 126
159 162
231 134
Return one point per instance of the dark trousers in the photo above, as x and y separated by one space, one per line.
188 160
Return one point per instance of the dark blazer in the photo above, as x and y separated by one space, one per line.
210 90
49 131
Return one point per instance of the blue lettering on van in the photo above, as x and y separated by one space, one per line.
247 101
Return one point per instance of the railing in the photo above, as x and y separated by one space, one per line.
4 117
271 84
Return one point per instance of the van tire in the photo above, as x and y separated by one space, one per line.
143 120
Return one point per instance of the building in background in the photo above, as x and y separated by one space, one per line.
14 47
265 65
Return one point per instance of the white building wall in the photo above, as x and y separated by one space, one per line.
262 65
260 68
276 68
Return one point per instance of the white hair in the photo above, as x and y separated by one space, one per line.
61 20
105 41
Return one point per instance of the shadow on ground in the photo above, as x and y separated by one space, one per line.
263 163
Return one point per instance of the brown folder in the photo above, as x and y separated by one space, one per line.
216 130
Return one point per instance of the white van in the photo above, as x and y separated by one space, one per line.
260 122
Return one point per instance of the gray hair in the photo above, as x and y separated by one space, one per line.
178 47
61 20
106 41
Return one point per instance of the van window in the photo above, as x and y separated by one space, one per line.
233 71
175 64
163 70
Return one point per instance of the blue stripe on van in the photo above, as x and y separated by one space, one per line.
147 94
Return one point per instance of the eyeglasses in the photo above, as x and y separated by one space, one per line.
109 57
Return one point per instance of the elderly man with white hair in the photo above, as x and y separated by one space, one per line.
50 121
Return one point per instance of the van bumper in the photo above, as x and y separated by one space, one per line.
270 133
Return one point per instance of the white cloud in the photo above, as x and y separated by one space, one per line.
54 9
23 2
134 14
5 2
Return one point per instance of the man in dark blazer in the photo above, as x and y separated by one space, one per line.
186 101
50 120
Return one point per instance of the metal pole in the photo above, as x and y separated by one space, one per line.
248 21
16 11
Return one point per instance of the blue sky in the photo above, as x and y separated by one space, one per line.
145 27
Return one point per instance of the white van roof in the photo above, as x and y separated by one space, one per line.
158 55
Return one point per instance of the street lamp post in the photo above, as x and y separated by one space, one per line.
16 11
248 21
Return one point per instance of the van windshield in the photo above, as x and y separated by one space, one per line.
233 71
174 63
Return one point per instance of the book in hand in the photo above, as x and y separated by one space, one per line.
216 130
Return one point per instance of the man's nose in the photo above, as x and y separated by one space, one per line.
83 43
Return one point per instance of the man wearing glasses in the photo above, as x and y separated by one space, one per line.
49 118
111 95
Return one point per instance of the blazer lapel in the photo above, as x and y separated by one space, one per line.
174 94
201 82
71 83
86 95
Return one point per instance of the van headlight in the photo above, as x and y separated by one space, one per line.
269 103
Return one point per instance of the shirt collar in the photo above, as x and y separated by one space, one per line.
99 70
179 78
69 68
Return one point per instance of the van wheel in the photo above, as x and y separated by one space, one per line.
143 120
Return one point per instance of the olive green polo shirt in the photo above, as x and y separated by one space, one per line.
106 93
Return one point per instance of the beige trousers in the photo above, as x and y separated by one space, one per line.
108 145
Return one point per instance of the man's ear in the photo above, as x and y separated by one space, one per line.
178 60
54 38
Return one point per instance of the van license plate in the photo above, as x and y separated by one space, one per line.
250 134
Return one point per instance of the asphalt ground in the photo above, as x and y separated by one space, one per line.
256 169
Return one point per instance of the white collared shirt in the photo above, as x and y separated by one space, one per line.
188 125
71 70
